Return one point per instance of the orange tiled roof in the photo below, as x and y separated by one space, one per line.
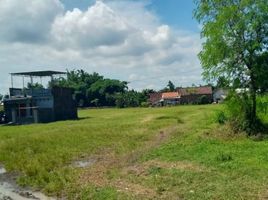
170 95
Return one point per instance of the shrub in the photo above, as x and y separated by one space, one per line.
127 99
239 114
221 117
203 100
145 104
262 104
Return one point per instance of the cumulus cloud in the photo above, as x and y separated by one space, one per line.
27 21
98 26
120 39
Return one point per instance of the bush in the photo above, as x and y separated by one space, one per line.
238 107
239 114
127 99
262 103
203 100
221 117
145 104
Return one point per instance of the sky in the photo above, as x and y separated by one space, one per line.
144 42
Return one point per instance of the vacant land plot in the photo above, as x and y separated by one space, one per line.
142 153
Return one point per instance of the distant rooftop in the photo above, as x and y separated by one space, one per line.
38 73
170 95
202 90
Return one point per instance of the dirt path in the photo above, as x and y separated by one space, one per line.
97 174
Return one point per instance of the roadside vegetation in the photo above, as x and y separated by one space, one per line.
138 153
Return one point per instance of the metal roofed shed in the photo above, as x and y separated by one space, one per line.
38 73
47 73
39 105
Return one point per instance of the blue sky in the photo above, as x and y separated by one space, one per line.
176 13
144 42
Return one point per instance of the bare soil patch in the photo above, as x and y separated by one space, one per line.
134 189
106 161
143 168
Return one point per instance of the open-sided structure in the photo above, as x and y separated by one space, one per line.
39 105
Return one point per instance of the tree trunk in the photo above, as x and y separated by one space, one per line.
254 106
253 95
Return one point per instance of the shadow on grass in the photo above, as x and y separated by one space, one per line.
83 118
262 135
179 120
166 117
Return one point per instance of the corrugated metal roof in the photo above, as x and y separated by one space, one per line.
38 73
195 90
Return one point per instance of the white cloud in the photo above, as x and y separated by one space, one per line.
98 26
119 39
27 20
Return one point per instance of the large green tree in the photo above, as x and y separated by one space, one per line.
92 89
104 91
222 82
235 35
80 81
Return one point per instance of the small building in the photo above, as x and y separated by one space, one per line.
193 95
170 98
39 105
165 98
190 95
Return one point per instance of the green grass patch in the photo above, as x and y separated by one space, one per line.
199 160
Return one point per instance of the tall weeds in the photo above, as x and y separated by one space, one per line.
238 112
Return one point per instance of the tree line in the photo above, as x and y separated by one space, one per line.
93 90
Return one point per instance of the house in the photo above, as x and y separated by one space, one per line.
39 105
189 95
194 95
165 98
170 98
